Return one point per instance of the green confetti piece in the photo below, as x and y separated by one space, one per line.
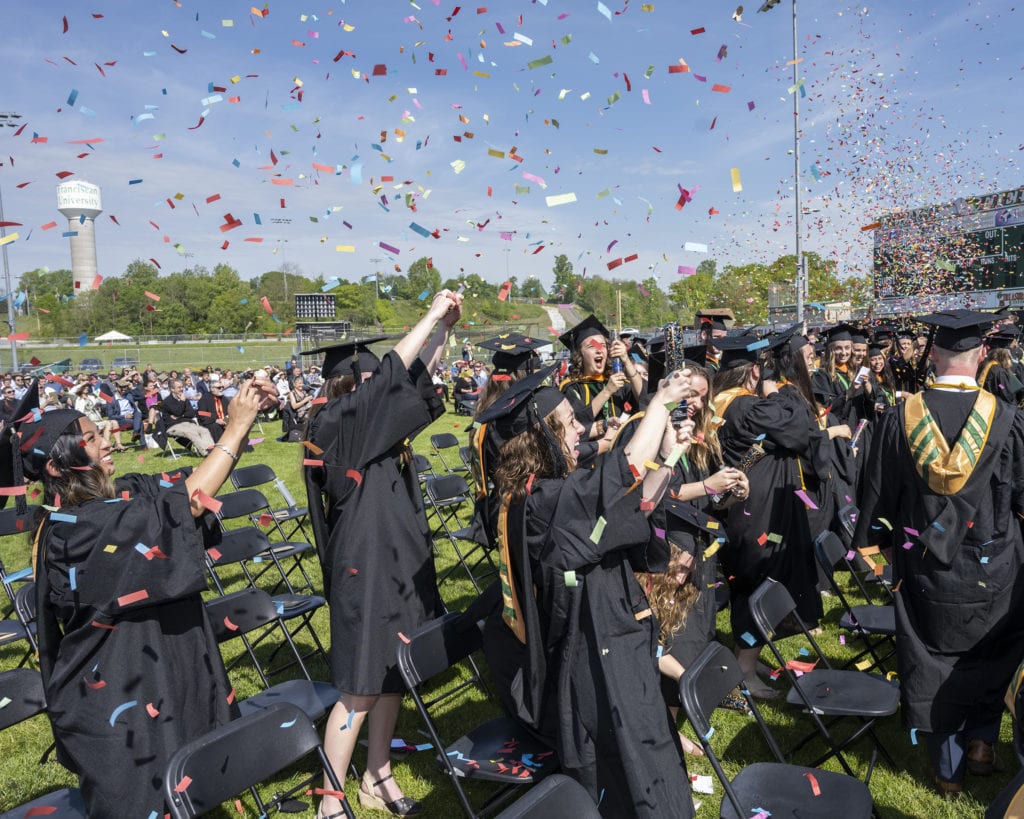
671 405
570 579
674 456
545 60
775 538
614 98
885 523
595 536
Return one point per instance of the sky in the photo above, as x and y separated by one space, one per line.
636 138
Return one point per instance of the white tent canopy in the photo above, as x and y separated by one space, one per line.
113 335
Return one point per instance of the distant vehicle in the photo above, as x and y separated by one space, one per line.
90 365
123 361
57 367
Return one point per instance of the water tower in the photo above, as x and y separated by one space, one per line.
80 202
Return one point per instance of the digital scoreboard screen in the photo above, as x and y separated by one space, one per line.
314 306
974 244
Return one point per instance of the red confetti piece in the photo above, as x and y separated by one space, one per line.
529 483
403 638
208 502
815 789
134 597
763 539
229 625
214 554
266 519
231 696
152 711
182 786
311 462
696 31
354 475
95 686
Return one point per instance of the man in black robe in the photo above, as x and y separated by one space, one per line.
945 488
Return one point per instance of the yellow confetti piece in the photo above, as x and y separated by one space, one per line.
110 548
10 237
863 665
652 466
345 248
495 153
483 74
459 165
227 23
712 524
601 151
595 536
558 199
712 550
737 185
885 523
647 7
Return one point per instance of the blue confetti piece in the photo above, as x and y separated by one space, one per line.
938 526
710 733
330 285
63 518
423 295
757 345
236 163
804 652
984 560
141 548
72 96
426 746
72 579
422 231
760 437
166 484
351 718
913 736
290 723
120 710
87 111
256 217
748 638
21 574
661 650
134 181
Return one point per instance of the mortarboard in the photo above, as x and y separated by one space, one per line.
628 332
349 358
590 326
905 332
524 404
791 337
511 351
858 337
841 332
738 350
1003 336
958 330
711 322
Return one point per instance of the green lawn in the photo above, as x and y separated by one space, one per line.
897 793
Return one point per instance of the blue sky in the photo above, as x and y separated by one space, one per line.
907 103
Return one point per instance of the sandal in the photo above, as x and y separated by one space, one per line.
320 815
735 701
405 806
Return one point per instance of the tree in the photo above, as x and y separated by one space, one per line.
690 294
532 289
423 276
566 282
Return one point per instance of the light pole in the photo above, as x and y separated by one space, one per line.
9 119
376 276
801 278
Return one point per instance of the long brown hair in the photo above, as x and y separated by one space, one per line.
79 479
576 365
670 602
529 454
729 378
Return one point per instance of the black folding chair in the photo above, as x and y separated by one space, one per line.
252 505
557 797
499 750
258 475
445 495
250 615
876 625
21 689
777 788
244 547
447 442
847 517
236 757
12 627
424 469
825 692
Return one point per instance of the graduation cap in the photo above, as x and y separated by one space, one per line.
656 369
882 332
905 332
629 332
526 404
874 350
958 330
858 337
841 332
790 337
1003 336
575 336
711 322
349 357
26 442
511 351
739 350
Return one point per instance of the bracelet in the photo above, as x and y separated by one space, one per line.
222 448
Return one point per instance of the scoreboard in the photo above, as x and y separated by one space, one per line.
971 245
314 306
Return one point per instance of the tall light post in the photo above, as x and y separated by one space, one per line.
376 276
801 271
9 119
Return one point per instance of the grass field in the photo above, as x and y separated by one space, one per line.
900 793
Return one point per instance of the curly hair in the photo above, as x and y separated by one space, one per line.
670 601
80 479
529 454
576 365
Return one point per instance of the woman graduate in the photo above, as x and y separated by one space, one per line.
769 534
603 382
130 664
367 514
569 544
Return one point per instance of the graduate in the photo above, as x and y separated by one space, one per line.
130 664
998 373
603 382
570 542
372 535
767 437
835 384
944 489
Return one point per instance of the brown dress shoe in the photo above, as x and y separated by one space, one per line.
981 757
947 790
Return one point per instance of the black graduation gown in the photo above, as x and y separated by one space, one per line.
959 628
137 671
368 519
1004 384
600 679
769 535
581 391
